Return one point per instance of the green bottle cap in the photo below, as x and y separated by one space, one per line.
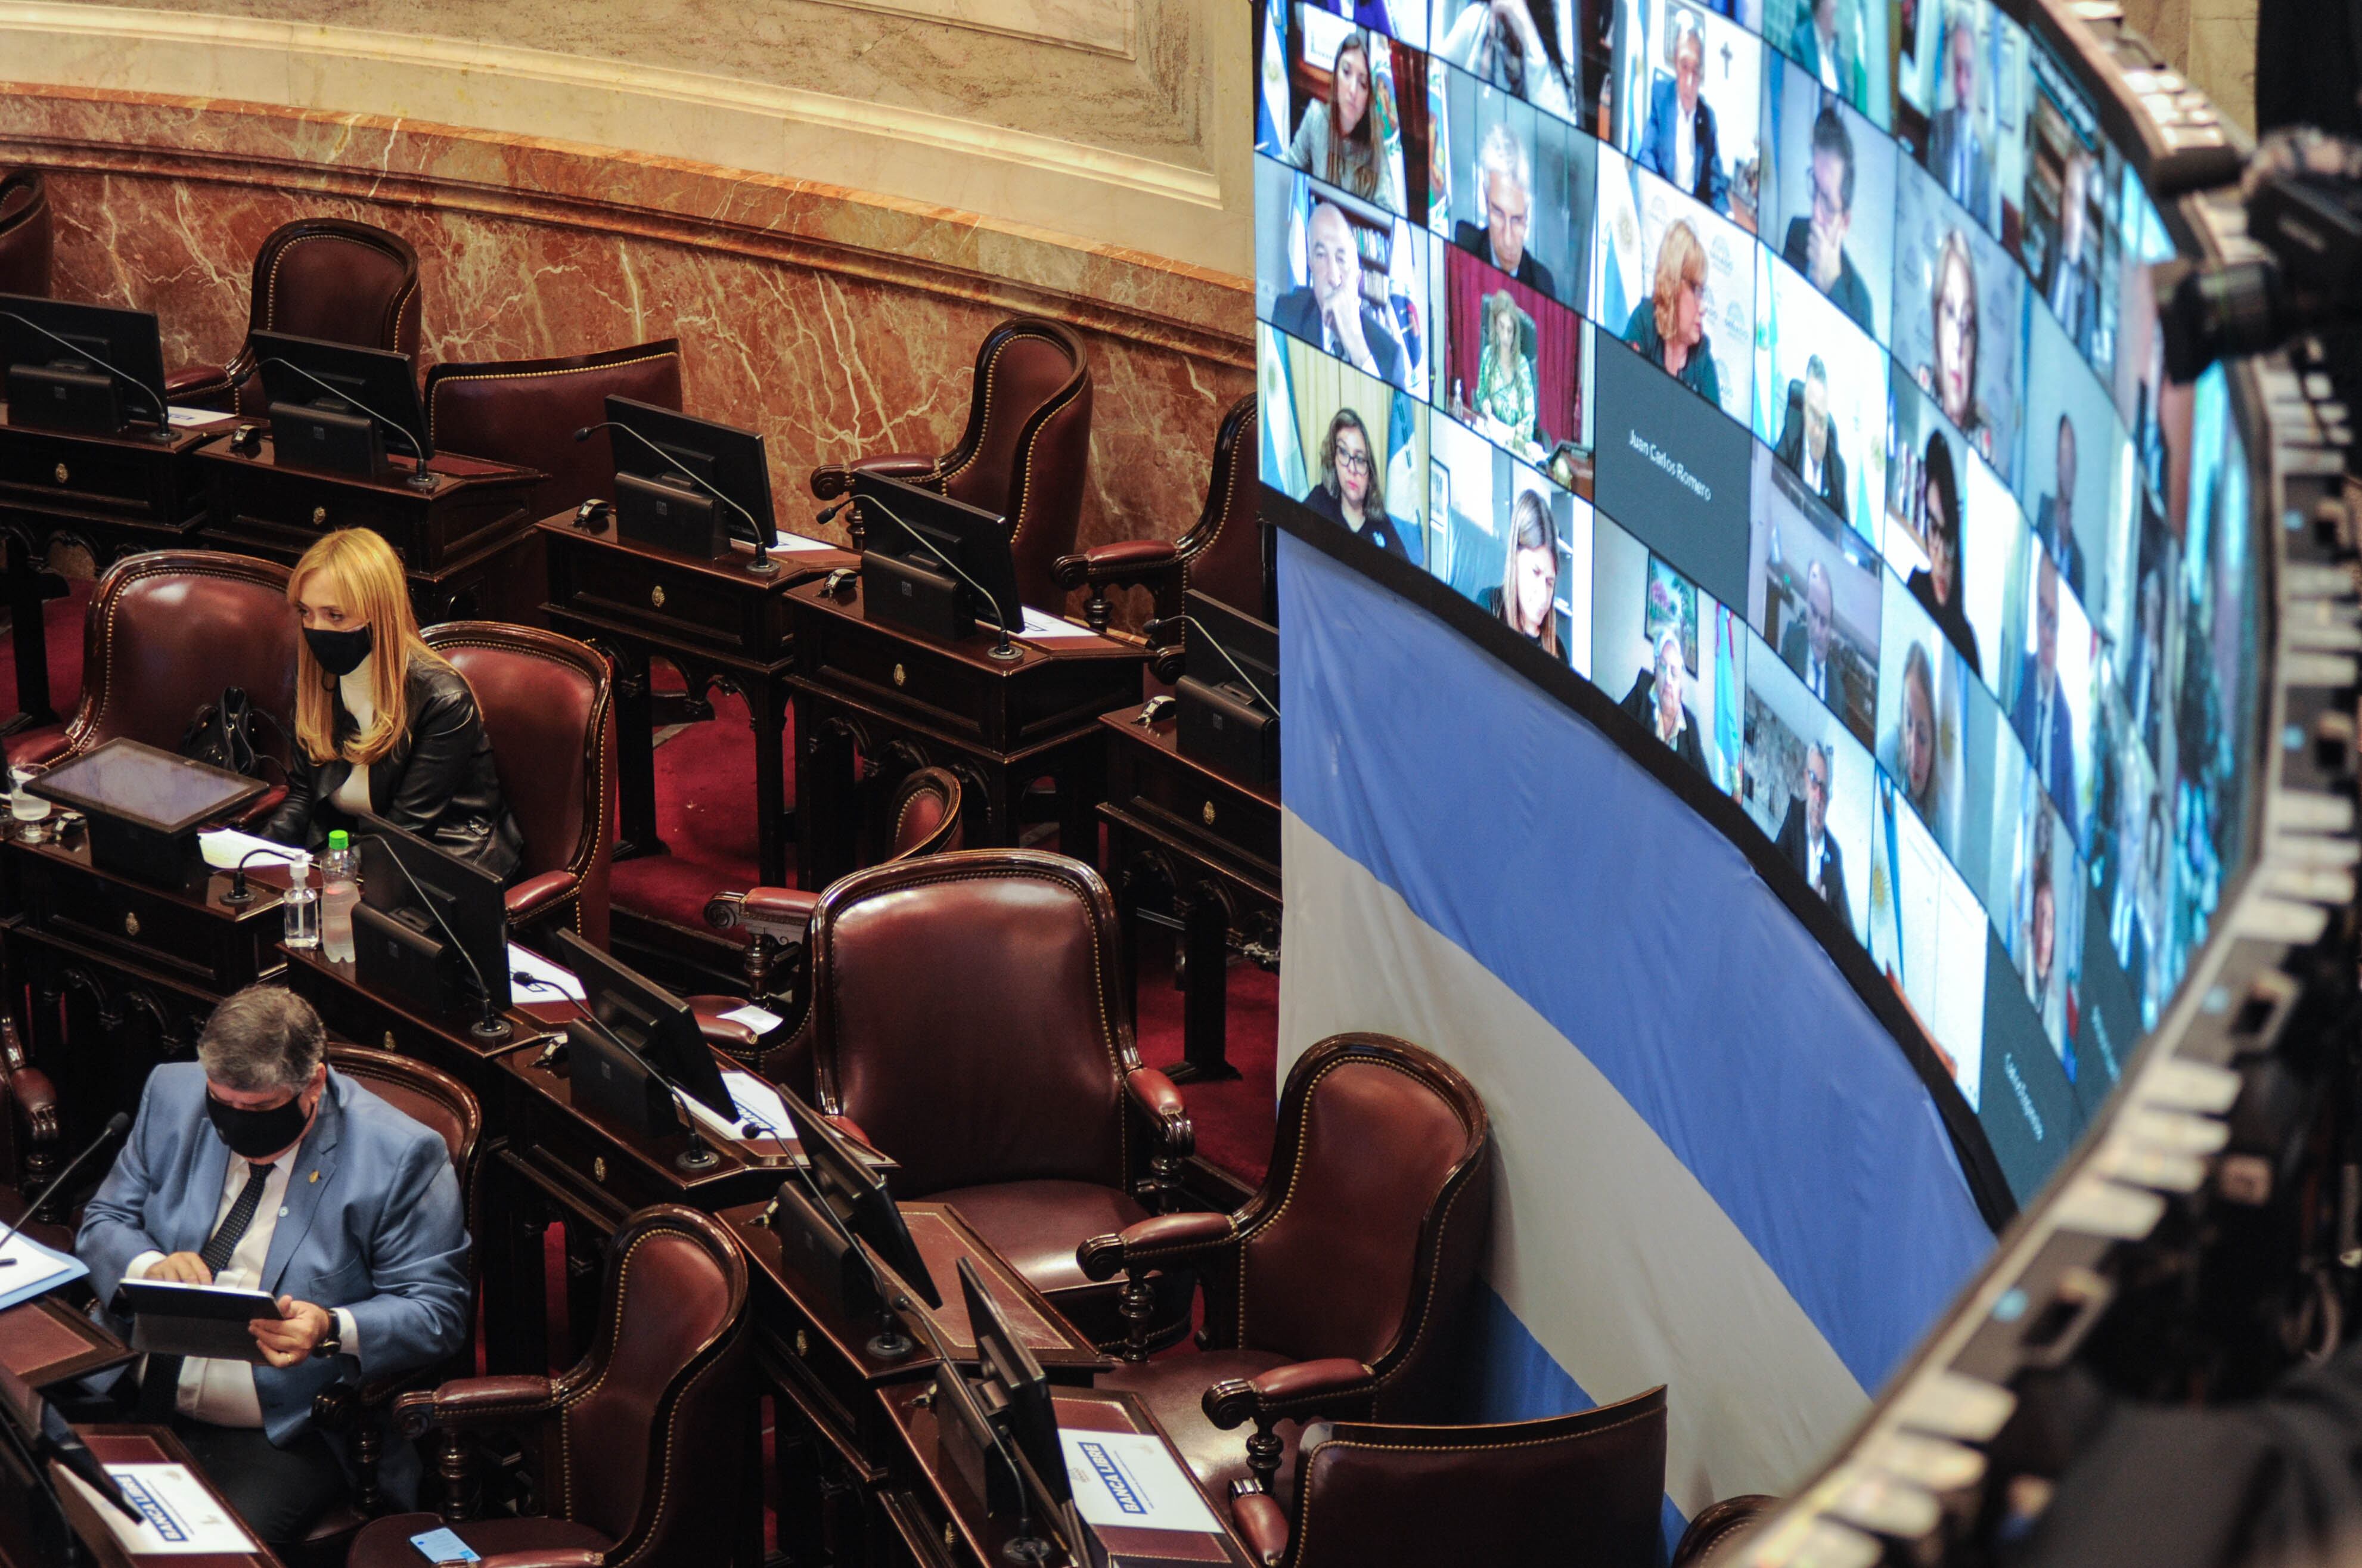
337 841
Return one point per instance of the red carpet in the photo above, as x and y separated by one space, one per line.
705 796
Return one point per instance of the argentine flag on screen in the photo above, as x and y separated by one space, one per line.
1715 1170
1271 94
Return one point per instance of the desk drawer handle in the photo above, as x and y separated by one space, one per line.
389 1039
804 1344
131 923
599 1168
319 516
951 1536
901 676
61 473
655 596
1207 813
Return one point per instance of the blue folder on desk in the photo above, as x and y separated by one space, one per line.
35 1270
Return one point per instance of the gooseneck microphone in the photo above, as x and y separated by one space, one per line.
420 479
761 564
163 431
1156 628
117 1126
1004 650
491 1028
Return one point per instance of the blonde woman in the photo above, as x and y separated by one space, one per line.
1338 141
1527 601
1668 327
1505 375
383 725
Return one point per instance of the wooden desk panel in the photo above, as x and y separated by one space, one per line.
148 1445
45 1342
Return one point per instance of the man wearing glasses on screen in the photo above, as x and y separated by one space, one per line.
1330 311
1808 446
1816 245
1680 144
2040 715
1805 835
1505 175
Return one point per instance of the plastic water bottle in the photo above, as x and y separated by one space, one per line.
302 902
340 890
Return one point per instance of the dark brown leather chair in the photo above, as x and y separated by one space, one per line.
549 707
965 1015
164 633
1587 1488
1024 454
641 1444
1335 1291
438 1100
326 278
525 411
1714 1537
1222 554
26 237
925 809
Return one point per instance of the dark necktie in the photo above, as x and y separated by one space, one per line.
160 1387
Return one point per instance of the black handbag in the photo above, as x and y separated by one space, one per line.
222 735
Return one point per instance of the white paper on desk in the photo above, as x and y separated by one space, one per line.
760 1104
32 1269
762 1020
1039 624
183 1519
186 418
541 979
225 847
1131 1480
796 544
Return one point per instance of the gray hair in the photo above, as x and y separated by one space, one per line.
1828 755
1502 153
1687 30
264 1038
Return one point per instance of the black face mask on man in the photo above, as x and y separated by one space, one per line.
339 653
258 1134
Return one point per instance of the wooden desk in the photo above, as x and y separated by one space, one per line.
45 1342
718 623
111 495
468 546
940 1515
122 975
1215 843
147 1445
901 700
832 1450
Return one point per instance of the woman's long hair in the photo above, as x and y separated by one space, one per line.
1342 165
1529 529
367 569
1374 499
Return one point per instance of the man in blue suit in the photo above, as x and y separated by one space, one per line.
2040 715
257 1166
1681 143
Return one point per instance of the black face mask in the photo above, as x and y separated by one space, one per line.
255 1135
339 653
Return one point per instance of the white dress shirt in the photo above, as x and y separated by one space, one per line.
1827 51
1816 674
1811 469
352 797
222 1392
1814 850
1684 148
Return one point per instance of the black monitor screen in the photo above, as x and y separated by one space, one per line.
123 344
652 1020
374 382
404 872
732 461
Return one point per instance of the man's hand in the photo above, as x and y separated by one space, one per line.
289 1339
1345 320
181 1268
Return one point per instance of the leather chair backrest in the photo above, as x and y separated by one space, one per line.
965 1014
926 811
1370 1497
1027 447
547 703
1366 1234
525 411
167 630
25 237
652 1434
336 280
431 1097
1229 563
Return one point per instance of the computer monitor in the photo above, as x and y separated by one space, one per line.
413 884
85 367
921 529
144 805
1227 646
856 1195
333 406
1229 692
653 1022
1015 1389
727 462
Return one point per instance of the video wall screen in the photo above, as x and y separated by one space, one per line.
1789 369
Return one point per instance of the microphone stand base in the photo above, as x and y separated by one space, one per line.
1007 653
890 1344
696 1160
1026 1551
761 564
490 1031
425 482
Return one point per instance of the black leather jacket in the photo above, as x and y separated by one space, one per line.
437 782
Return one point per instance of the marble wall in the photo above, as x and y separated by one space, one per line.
833 320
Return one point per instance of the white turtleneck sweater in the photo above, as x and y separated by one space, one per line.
352 797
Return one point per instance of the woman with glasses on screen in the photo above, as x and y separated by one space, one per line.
1936 585
1660 699
1338 141
1668 327
1950 376
1349 492
1505 377
1526 602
